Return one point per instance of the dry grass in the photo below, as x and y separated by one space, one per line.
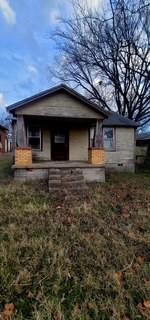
82 259
5 166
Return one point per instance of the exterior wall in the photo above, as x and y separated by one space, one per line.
78 144
23 175
94 174
141 153
60 105
45 154
123 158
3 139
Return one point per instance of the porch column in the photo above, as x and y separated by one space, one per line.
21 133
23 154
98 139
96 153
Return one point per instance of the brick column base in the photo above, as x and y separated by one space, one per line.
23 156
96 156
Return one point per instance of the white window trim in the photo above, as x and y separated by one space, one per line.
114 139
28 136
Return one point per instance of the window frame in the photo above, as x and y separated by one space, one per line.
40 136
114 139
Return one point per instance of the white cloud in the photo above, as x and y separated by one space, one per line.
2 100
93 4
54 16
32 70
8 13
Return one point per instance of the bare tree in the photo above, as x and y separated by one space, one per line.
108 55
5 118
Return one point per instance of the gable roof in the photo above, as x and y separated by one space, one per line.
111 118
3 128
49 92
116 120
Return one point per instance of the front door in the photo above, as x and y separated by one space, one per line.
60 145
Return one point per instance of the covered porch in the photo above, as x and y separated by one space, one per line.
60 144
48 141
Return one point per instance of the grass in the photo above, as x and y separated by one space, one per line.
82 259
5 166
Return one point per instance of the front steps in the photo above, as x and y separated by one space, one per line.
66 179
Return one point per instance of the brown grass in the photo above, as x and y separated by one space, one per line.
86 258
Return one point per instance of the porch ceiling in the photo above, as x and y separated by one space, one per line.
46 120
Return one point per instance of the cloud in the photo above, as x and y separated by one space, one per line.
32 70
54 16
8 13
93 4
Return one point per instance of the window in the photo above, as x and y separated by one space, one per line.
109 139
59 138
34 138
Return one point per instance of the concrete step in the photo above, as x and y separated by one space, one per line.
66 179
53 182
71 171
72 178
54 176
72 183
54 171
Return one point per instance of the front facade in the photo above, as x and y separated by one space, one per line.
62 126
3 139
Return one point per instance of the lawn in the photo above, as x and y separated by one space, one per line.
80 259
5 166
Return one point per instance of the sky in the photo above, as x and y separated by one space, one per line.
26 49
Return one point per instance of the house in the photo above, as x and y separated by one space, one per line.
61 128
142 147
3 139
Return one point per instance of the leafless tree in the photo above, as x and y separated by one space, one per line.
107 54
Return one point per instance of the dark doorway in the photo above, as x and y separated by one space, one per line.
60 145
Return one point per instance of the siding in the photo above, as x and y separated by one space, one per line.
45 154
124 156
78 144
60 105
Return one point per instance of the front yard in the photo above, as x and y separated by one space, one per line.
5 166
82 259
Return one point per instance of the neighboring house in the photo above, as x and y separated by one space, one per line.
62 125
3 139
142 146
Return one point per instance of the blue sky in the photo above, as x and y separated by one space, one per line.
26 49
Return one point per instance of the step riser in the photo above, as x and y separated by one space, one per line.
66 179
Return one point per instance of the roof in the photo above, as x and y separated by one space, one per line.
116 120
3 128
46 93
111 118
143 136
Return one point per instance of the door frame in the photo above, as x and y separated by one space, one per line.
52 133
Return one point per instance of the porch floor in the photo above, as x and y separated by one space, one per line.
57 164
